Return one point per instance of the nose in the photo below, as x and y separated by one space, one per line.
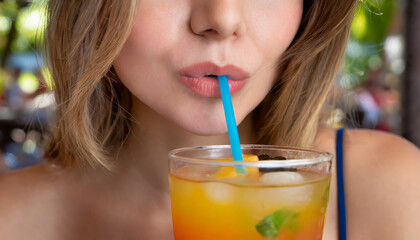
218 19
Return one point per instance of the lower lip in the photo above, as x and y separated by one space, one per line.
209 86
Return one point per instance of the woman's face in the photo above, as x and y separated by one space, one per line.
176 46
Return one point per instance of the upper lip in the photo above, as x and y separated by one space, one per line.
205 69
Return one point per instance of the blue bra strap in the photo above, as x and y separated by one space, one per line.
340 186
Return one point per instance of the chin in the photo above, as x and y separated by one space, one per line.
204 128
209 123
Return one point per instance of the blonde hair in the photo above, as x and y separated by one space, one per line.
306 74
82 40
92 117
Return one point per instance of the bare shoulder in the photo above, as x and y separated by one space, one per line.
382 153
16 186
28 200
22 183
387 143
382 175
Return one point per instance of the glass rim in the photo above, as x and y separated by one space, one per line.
324 156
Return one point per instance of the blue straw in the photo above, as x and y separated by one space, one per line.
230 119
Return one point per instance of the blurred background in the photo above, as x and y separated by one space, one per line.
380 72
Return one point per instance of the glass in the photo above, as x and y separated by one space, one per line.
275 193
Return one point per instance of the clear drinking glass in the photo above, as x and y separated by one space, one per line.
275 193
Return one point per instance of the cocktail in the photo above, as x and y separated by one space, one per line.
274 193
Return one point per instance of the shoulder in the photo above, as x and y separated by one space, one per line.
29 200
372 139
26 181
381 152
19 184
383 172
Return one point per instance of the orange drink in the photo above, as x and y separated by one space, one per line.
275 193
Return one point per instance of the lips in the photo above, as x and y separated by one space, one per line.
202 78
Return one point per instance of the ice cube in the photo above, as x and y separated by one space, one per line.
196 172
220 193
291 190
282 178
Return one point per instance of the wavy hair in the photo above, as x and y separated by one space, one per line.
83 38
306 73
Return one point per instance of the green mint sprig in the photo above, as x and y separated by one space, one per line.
271 226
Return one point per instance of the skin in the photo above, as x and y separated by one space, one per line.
170 35
49 202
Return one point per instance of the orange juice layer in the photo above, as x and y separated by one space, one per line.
223 211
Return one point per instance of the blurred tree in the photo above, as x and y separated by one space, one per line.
368 33
11 9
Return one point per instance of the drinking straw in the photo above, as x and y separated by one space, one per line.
230 121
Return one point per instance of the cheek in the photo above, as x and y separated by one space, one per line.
145 39
273 33
275 29
143 54
156 29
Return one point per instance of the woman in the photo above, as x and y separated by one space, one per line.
134 79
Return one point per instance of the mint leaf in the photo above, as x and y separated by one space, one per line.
268 227
271 226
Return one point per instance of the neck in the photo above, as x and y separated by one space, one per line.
144 154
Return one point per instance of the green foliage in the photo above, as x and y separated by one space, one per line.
372 20
28 24
29 21
8 8
368 33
